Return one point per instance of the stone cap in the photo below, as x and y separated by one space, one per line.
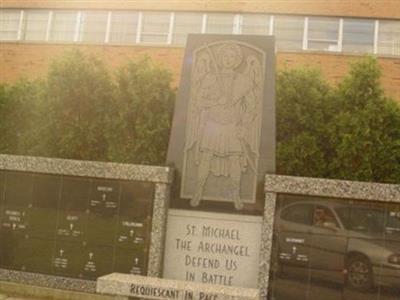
158 288
86 168
332 188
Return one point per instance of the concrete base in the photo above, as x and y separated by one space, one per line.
166 289
29 291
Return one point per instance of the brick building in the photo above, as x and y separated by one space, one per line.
327 34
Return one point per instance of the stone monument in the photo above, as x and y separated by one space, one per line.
222 144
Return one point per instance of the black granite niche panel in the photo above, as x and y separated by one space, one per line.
337 249
134 229
74 226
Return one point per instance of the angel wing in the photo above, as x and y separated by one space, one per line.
254 71
201 67
251 110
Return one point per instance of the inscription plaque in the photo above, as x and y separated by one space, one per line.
211 248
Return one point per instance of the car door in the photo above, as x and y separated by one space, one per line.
294 233
328 242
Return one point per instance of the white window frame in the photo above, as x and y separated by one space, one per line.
78 25
376 36
204 23
20 25
49 24
139 28
305 33
340 38
237 24
271 25
108 28
171 28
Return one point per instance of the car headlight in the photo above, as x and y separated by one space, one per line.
394 259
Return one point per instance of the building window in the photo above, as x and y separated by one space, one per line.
389 37
323 34
93 26
35 25
123 27
358 35
155 27
255 24
220 23
186 23
63 26
289 31
9 24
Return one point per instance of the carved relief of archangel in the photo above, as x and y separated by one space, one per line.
224 124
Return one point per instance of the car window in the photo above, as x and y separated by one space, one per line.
393 221
364 219
344 214
298 213
323 217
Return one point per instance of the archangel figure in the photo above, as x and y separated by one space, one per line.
224 116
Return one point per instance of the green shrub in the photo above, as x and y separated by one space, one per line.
82 111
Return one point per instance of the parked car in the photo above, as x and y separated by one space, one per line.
354 244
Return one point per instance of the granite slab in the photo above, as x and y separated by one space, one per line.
223 132
86 168
157 288
332 188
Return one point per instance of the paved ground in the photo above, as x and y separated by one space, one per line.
297 289
6 297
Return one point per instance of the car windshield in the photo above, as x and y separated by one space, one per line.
368 219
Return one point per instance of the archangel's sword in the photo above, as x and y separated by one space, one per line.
214 61
219 81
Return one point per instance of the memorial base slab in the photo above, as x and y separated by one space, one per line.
157 288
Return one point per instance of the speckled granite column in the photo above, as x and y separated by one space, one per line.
161 203
266 243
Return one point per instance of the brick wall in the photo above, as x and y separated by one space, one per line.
32 61
356 8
